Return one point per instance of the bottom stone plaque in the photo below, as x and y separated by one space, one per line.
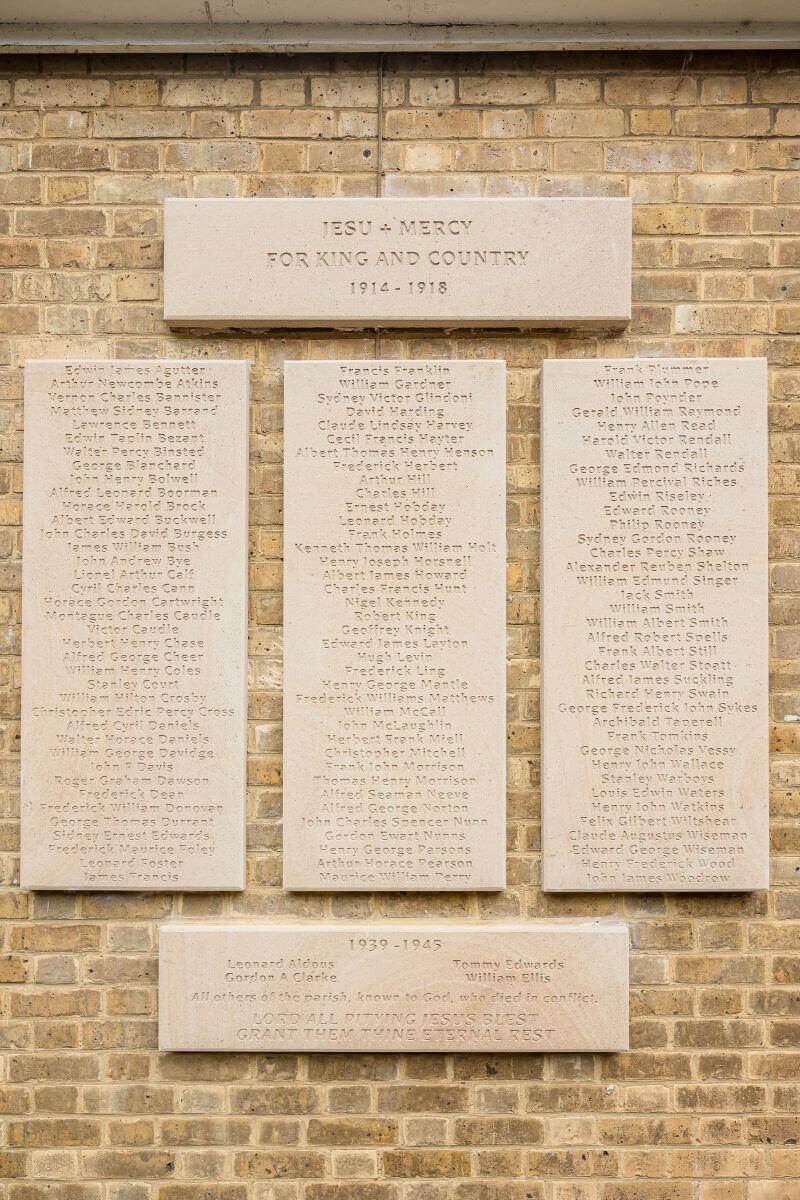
411 987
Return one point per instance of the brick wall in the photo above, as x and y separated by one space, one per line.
704 1107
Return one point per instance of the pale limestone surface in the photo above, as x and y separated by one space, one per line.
353 263
394 626
547 985
654 625
134 694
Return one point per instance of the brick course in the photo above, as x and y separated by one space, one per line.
704 1107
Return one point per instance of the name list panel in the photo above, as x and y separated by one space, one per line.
408 987
654 620
394 626
352 263
134 625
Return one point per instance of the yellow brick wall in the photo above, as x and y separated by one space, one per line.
705 1105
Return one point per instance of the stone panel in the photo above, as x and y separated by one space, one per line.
134 682
354 263
654 625
394 626
386 986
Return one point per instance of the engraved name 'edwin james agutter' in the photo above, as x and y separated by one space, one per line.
354 263
654 622
394 626
134 625
535 986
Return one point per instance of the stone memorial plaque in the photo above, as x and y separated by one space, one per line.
351 263
654 624
407 987
394 626
134 682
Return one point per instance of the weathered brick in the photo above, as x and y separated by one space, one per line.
579 122
485 89
60 222
352 1131
289 123
498 1131
362 1190
723 122
54 1132
140 123
507 1189
414 1098
57 937
202 1191
651 89
433 1164
65 156
52 1190
62 93
278 1101
205 1131
642 1190
130 1164
211 156
202 93
648 156
279 1164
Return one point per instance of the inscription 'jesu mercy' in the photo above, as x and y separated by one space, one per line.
655 625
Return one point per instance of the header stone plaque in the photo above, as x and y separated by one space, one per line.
134 696
394 626
654 620
351 263
402 987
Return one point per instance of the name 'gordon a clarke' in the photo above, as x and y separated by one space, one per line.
280 970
